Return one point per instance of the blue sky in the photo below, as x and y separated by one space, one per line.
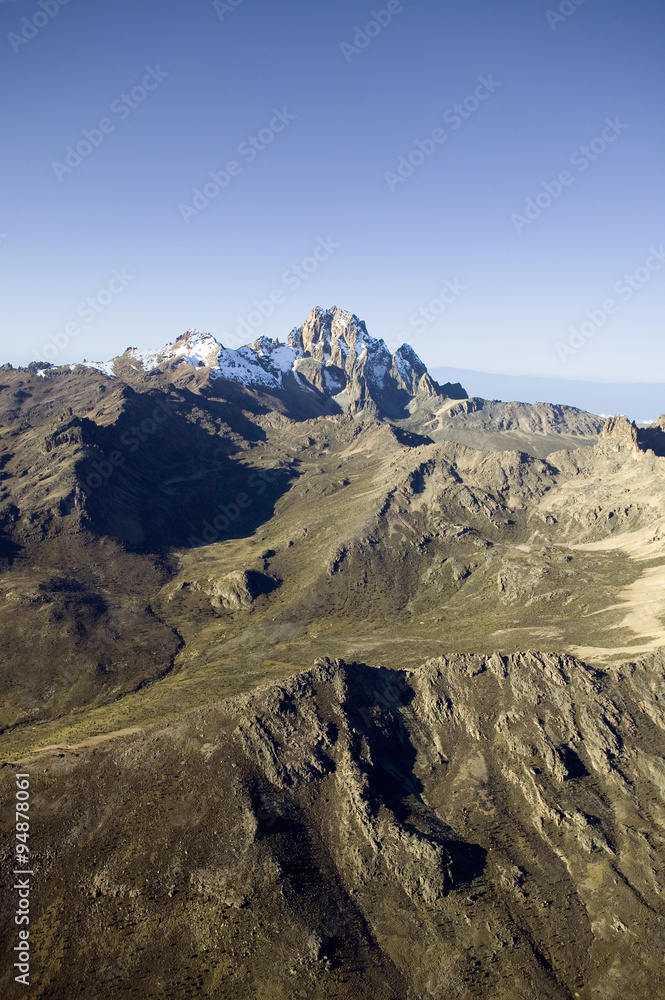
181 86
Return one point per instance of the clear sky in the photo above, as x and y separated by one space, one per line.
181 86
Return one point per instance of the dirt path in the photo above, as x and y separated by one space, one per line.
92 741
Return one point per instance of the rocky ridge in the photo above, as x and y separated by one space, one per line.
330 354
481 825
331 365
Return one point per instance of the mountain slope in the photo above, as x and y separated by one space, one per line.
334 536
477 826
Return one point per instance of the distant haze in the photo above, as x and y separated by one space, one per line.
642 402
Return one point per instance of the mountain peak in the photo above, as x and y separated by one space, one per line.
192 348
337 355
329 335
331 356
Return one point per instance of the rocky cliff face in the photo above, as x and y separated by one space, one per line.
334 350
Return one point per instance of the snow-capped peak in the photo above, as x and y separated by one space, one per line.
331 353
192 348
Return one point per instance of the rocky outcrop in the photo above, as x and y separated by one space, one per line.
236 590
620 434
652 437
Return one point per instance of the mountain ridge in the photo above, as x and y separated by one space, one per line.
464 828
331 365
331 355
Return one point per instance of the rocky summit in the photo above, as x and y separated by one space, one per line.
330 681
330 362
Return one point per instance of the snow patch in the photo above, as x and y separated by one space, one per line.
241 366
193 348
403 366
106 367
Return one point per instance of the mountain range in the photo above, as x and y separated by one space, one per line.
330 363
331 680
